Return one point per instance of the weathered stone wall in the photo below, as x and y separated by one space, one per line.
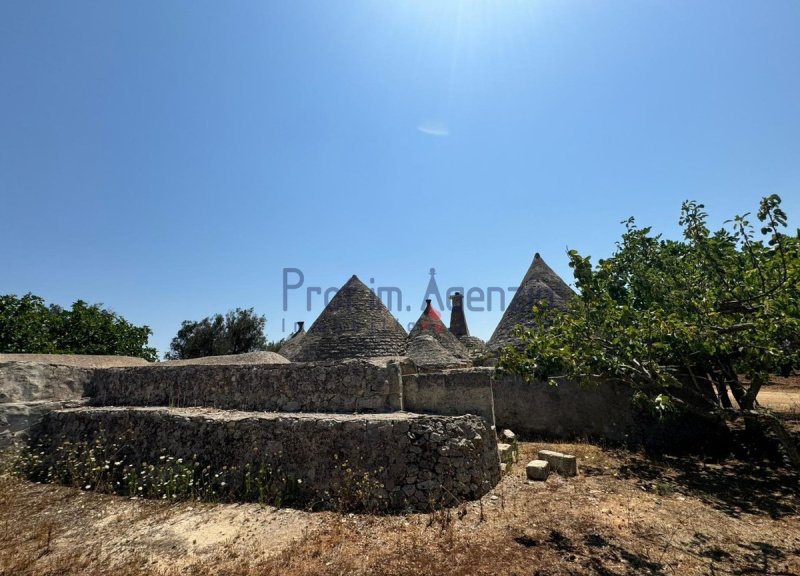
31 382
467 391
30 390
16 418
350 386
531 409
564 411
411 461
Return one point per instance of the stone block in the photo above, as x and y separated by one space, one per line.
508 453
508 437
564 464
537 470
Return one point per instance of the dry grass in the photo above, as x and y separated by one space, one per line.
624 514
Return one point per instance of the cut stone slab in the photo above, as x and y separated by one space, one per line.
507 453
537 470
564 464
16 418
508 437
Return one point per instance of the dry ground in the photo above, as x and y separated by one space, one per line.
783 397
624 514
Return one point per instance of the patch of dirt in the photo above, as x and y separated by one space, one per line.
781 400
624 514
786 381
782 396
46 529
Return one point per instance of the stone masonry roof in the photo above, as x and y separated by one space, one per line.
355 324
292 346
427 353
474 345
539 283
261 357
430 323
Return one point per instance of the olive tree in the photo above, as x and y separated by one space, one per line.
236 332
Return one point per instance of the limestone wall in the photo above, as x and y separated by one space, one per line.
531 409
467 391
30 390
563 411
385 461
350 386
31 382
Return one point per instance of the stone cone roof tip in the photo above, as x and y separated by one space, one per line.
540 282
430 324
430 311
354 324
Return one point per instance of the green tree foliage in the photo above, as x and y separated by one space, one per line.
236 332
680 321
28 325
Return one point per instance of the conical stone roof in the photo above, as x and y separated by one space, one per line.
427 353
430 323
291 347
355 324
474 345
539 283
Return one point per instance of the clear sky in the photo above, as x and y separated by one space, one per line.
170 158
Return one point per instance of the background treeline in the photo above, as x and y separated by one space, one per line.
28 325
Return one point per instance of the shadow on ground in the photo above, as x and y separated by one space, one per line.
733 486
594 553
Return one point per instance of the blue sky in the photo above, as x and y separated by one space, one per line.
170 159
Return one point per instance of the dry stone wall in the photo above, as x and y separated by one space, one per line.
32 382
531 409
382 461
30 390
568 410
350 386
464 391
